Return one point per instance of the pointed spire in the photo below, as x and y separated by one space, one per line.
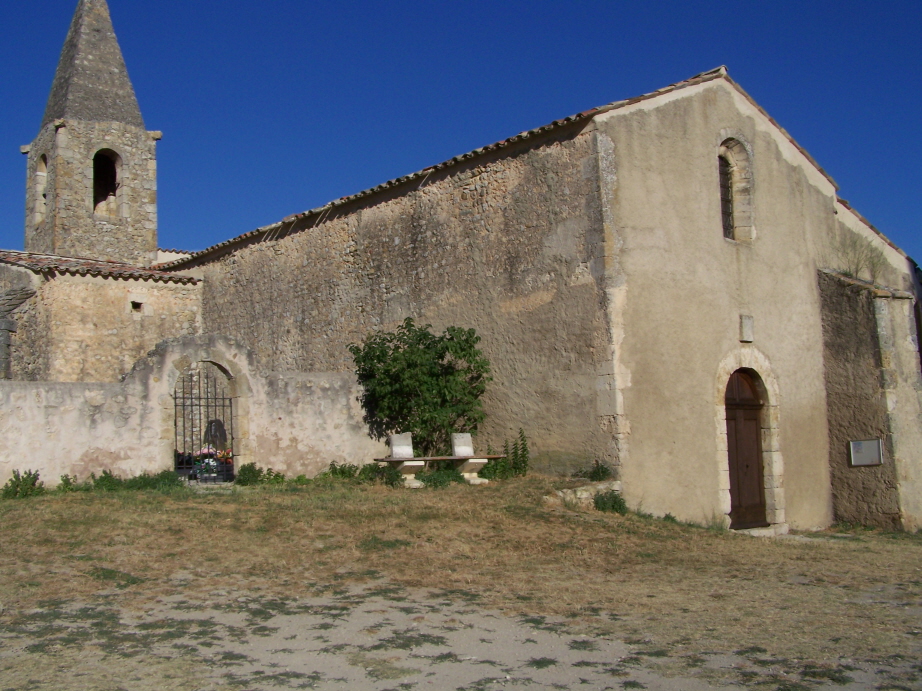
92 82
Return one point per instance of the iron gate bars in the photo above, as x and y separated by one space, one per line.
204 411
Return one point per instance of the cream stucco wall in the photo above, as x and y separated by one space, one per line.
687 287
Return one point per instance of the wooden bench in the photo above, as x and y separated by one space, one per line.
469 464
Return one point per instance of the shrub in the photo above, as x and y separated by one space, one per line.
248 474
610 501
597 472
440 477
23 485
415 381
514 464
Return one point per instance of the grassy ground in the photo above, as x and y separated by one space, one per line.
668 589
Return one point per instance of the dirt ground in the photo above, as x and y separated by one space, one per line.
337 586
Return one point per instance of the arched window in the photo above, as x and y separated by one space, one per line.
735 180
40 186
106 164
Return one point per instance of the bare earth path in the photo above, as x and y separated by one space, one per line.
344 587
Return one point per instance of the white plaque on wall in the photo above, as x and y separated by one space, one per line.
866 452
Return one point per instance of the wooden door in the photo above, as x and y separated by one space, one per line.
744 442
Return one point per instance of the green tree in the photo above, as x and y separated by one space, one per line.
421 383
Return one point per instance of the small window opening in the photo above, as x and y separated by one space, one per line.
41 190
734 168
105 183
726 195
137 306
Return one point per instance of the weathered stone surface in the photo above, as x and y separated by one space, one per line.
503 246
856 407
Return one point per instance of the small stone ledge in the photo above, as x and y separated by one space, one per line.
582 496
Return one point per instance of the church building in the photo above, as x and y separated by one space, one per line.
668 284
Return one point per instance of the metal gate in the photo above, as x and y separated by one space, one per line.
204 425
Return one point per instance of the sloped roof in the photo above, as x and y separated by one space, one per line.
44 263
91 82
277 229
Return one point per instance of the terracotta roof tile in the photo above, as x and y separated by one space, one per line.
89 267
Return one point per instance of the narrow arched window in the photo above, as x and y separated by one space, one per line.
726 195
105 183
734 169
40 188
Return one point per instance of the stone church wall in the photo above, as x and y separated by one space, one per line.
509 246
29 345
856 405
100 327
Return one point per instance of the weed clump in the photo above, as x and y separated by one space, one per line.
513 464
23 485
610 501
597 472
440 477
249 474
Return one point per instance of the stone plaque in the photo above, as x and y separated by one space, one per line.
866 452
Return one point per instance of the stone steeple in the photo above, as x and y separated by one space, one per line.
91 189
92 81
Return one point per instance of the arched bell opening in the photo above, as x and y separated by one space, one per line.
204 404
106 172
744 401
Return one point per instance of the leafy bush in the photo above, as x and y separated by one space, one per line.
415 381
610 501
23 485
440 477
514 464
598 472
249 474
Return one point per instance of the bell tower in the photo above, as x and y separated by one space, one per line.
91 188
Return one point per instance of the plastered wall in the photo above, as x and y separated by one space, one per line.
294 423
687 288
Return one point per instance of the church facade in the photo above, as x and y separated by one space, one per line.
668 284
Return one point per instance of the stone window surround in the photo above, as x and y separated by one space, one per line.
748 357
734 149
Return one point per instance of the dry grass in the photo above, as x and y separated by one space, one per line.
684 588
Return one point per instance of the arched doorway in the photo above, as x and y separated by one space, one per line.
744 405
204 406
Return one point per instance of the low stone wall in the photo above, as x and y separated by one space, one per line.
296 423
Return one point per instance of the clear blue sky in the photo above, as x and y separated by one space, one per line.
274 107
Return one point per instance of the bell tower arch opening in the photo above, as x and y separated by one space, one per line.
106 183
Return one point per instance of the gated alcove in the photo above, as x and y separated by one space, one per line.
204 400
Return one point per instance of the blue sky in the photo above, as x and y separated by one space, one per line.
274 107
